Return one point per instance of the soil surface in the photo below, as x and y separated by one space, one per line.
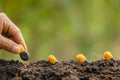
66 70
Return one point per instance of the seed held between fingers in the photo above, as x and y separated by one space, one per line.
23 54
22 49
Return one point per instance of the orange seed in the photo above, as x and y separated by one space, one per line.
22 49
107 55
81 58
52 59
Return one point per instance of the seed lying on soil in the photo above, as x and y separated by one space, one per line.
52 59
81 58
23 54
108 56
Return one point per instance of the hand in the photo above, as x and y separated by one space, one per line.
10 35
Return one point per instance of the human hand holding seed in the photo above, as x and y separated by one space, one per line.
10 35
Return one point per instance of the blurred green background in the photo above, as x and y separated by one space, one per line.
65 28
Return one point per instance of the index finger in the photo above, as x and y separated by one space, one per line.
17 35
14 31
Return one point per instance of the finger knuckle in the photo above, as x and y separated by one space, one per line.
18 30
2 14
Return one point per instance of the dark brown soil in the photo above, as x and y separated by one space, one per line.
72 70
9 69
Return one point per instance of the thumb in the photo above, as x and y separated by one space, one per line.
9 45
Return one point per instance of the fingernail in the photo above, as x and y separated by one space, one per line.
16 49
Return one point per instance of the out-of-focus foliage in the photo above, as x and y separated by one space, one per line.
66 28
